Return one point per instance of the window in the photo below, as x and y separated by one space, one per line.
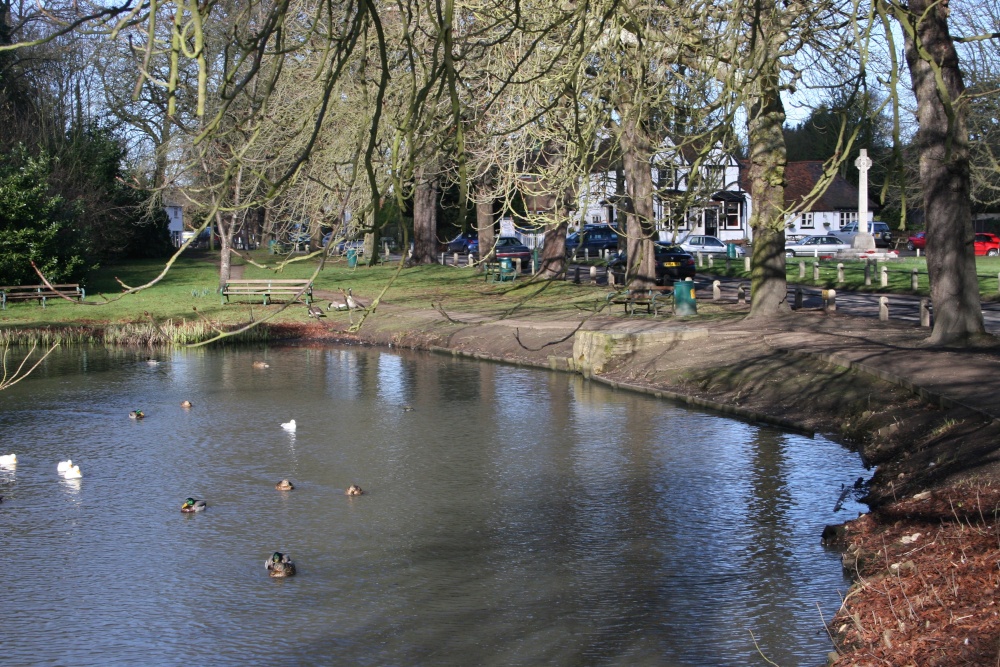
732 215
848 217
596 219
807 220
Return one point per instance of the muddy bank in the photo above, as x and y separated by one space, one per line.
926 559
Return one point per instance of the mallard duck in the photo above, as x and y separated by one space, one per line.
280 565
186 404
192 505
289 425
136 414
151 361
8 460
63 466
261 364
354 490
72 472
316 311
284 485
407 408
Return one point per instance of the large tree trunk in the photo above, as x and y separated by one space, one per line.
944 173
768 284
554 247
425 196
484 221
636 152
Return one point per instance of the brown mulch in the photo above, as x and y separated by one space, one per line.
928 574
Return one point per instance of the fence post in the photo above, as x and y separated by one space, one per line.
576 274
456 259
883 308
798 298
815 272
470 261
840 273
914 281
716 290
593 274
868 273
517 266
701 263
885 276
802 270
925 312
711 262
998 282
746 263
741 293
830 300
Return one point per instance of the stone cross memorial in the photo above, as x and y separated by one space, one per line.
864 239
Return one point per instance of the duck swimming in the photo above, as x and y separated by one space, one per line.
289 425
284 485
63 466
8 460
354 490
136 414
261 364
73 472
192 505
186 404
279 565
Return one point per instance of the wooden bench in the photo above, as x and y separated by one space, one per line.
652 300
268 289
40 292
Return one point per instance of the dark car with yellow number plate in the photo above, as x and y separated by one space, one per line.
672 263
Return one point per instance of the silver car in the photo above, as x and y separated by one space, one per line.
815 246
707 245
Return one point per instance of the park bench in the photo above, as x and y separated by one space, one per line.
651 300
268 289
39 292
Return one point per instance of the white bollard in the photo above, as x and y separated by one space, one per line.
716 290
868 274
815 272
711 262
840 273
741 293
883 308
470 261
802 270
701 262
746 263
885 276
593 275
456 259
914 281
918 252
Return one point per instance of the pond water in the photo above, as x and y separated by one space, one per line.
510 517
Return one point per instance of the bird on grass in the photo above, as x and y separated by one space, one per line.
136 414
191 505
316 311
284 485
279 565
337 305
352 303
289 425
354 490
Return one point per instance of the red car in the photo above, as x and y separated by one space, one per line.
917 241
987 244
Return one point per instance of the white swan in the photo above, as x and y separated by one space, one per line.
289 426
64 465
73 472
8 460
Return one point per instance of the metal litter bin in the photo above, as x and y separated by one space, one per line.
731 251
352 258
684 301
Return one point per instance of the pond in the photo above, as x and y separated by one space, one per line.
510 517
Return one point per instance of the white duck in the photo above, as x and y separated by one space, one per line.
64 465
289 426
73 472
8 460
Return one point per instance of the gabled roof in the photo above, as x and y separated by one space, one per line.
800 177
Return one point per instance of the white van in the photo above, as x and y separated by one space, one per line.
881 231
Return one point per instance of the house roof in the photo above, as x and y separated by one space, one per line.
800 177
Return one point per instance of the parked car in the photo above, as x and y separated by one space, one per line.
592 239
917 240
344 245
672 263
987 244
510 247
816 246
707 245
880 230
465 242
